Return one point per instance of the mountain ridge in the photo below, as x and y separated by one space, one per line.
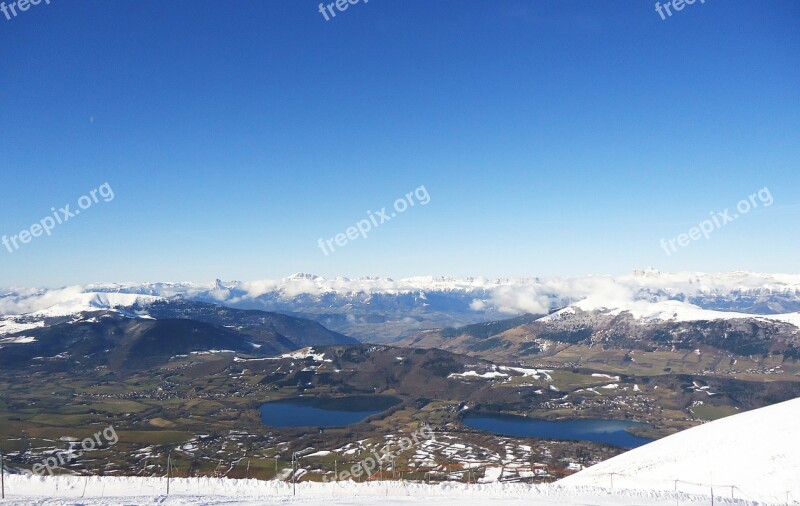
382 310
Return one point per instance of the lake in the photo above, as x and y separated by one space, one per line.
611 432
324 411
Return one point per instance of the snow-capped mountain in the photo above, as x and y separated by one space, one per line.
100 332
382 309
662 310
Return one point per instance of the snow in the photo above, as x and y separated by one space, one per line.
606 376
475 374
663 310
496 374
90 301
116 491
491 474
505 295
532 373
305 353
17 340
755 454
11 326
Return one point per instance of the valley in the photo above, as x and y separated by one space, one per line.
187 381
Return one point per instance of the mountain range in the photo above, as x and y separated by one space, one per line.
383 309
122 326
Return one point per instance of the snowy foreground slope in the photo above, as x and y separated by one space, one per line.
755 454
747 459
64 491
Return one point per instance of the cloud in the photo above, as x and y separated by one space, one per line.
510 296
28 301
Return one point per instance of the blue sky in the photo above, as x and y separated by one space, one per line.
554 138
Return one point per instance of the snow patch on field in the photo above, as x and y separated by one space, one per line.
305 353
475 374
18 340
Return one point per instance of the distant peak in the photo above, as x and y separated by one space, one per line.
303 275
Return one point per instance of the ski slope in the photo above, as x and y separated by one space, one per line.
755 454
95 491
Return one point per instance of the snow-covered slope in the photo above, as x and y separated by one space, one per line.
664 310
67 301
750 455
94 301
108 490
50 307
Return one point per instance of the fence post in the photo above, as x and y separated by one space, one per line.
2 477
677 500
294 474
169 469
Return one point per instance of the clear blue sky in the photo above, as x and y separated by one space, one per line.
553 137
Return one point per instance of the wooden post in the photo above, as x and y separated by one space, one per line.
294 474
2 477
677 501
169 469
247 473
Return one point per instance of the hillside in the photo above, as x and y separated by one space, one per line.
628 342
98 331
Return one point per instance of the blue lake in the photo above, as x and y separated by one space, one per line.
324 411
612 432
